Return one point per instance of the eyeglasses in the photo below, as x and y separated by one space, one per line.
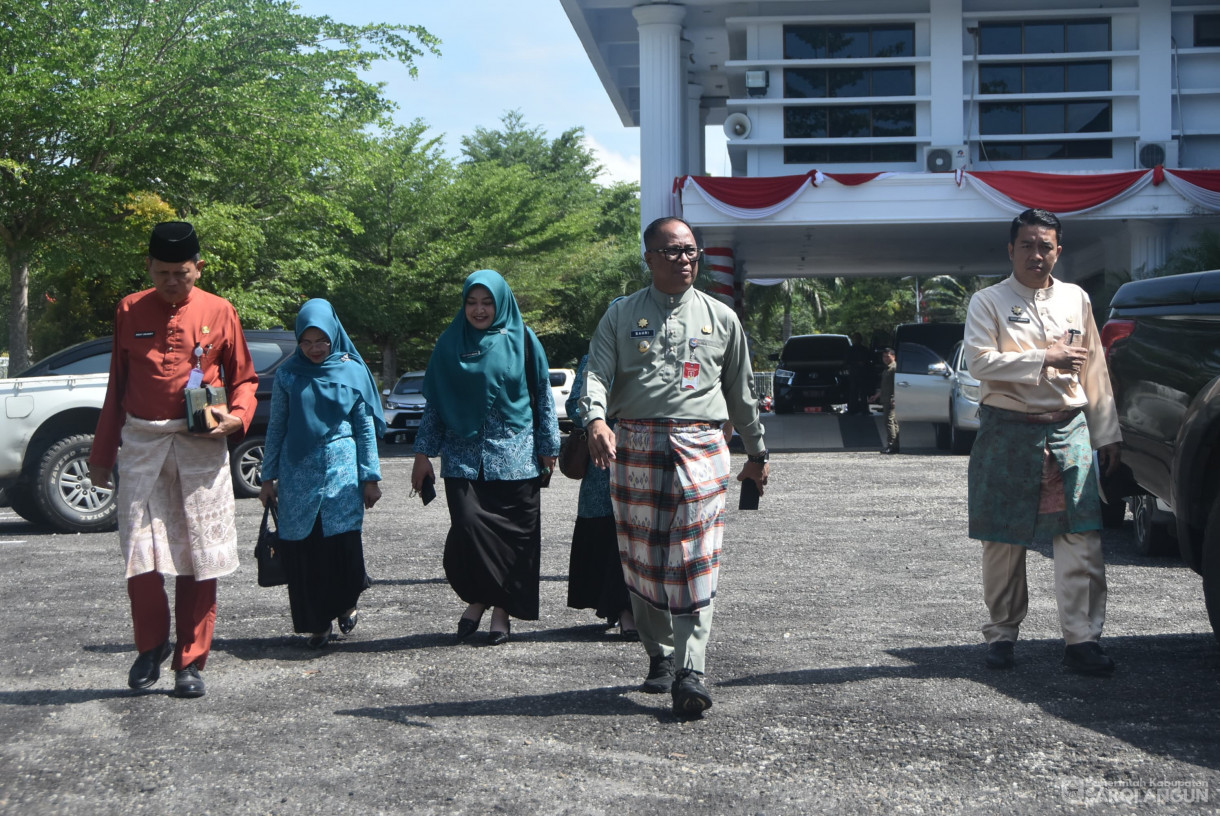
308 344
675 252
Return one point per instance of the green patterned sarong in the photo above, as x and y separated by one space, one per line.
1031 480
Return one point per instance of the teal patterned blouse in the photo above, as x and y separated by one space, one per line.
330 479
499 452
594 499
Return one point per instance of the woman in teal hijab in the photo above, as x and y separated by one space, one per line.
491 418
321 469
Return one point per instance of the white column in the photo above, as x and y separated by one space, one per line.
947 118
1155 71
662 103
693 160
1149 247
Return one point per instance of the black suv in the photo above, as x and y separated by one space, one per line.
267 348
813 373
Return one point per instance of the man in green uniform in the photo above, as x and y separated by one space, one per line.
671 363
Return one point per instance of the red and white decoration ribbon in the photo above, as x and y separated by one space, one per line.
1013 190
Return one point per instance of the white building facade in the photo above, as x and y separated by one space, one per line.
897 137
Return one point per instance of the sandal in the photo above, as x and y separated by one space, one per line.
348 622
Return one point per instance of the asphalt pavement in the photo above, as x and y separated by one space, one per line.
846 667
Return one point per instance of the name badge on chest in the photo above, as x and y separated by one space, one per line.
690 376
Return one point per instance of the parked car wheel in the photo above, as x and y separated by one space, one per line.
246 461
942 435
1211 566
1152 537
21 499
65 496
960 442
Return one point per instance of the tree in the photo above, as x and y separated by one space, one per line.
193 101
1203 254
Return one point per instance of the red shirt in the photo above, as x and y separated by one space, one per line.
154 352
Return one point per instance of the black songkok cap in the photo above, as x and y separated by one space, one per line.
173 242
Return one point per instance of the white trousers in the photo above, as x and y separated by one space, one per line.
1080 587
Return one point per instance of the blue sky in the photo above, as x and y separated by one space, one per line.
496 56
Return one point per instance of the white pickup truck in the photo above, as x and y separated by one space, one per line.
49 415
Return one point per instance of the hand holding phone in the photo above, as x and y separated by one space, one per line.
749 495
428 492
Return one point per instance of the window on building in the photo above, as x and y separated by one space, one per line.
1009 118
849 154
1045 37
1041 151
837 83
855 41
1207 30
1044 77
849 122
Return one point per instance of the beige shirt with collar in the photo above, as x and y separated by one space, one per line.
1008 329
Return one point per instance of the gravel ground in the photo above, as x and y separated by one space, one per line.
845 665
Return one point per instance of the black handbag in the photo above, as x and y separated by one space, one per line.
268 551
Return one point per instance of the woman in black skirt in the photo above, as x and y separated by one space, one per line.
491 418
321 469
595 574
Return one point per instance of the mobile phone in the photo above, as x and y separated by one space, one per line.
749 495
428 491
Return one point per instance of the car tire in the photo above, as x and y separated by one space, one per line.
21 500
245 463
1152 538
65 496
1211 566
960 442
942 435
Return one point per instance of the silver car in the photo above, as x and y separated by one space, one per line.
929 387
404 407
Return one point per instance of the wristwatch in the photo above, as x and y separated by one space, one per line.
760 458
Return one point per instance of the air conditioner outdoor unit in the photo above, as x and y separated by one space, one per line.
945 158
1150 154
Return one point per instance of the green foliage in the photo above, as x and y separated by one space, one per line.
194 101
1203 254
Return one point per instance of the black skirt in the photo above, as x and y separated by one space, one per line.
325 577
494 546
595 575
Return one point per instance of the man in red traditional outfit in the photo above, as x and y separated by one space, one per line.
175 495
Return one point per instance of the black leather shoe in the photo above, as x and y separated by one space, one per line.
999 655
147 668
660 677
348 622
466 628
691 697
495 638
891 449
319 640
1087 658
188 682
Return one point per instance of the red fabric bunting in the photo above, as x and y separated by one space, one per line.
1207 179
1057 192
852 179
750 193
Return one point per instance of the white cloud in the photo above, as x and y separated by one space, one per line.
615 166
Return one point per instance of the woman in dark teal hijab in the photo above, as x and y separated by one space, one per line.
320 467
476 368
491 418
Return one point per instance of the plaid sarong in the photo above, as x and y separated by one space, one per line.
667 486
175 501
1031 477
